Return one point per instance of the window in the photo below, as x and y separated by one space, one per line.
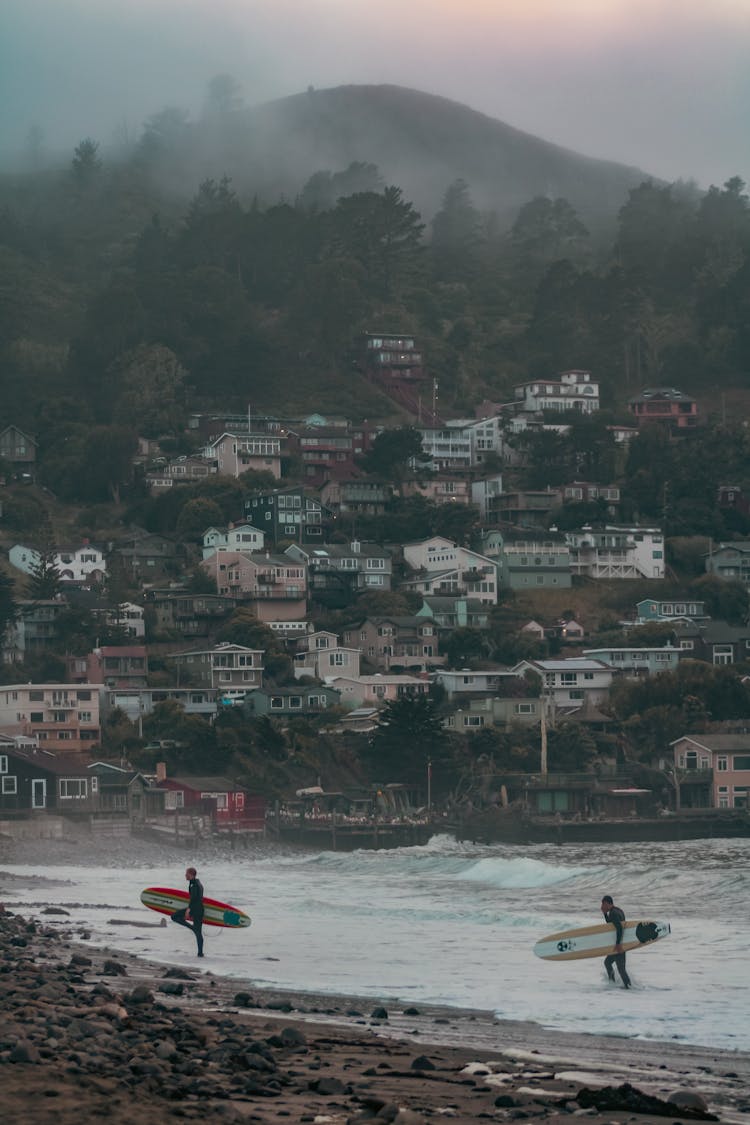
295 702
742 761
277 703
722 763
84 716
174 799
3 763
568 679
10 785
36 697
473 720
723 654
73 788
575 694
83 696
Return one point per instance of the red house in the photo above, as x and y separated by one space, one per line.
666 406
230 807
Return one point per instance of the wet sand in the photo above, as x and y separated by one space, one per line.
89 1033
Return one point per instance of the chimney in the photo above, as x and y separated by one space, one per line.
161 771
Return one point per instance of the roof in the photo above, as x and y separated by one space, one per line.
212 784
720 742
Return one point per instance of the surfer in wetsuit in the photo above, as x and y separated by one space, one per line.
194 909
615 917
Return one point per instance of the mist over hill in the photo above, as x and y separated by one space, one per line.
418 141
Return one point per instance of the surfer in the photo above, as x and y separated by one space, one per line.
194 909
615 917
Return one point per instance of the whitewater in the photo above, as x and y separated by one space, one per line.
448 923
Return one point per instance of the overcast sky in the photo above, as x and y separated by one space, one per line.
662 84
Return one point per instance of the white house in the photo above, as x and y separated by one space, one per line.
570 684
457 569
74 564
572 390
236 537
617 552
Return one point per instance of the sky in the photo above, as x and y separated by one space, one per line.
660 84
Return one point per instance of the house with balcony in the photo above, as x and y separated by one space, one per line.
584 492
236 537
189 615
617 552
464 682
329 452
524 508
664 406
449 613
527 561
274 586
440 488
713 770
180 470
84 564
730 561
238 453
33 630
395 643
394 362
360 495
442 567
288 514
365 566
637 661
19 449
115 666
287 702
137 703
485 491
572 684
571 390
221 668
62 717
321 656
685 608
362 691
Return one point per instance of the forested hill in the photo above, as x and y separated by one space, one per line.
419 141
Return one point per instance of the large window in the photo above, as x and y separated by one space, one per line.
10 785
742 761
73 788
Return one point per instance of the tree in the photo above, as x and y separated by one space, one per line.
410 734
383 233
224 96
456 236
392 452
8 605
151 390
86 165
44 580
196 516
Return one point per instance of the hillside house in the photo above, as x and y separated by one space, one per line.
236 537
221 668
572 390
569 685
115 666
395 643
359 496
713 770
490 711
460 682
650 610
321 656
530 561
637 661
329 452
525 508
274 586
366 566
617 552
455 612
62 717
33 630
716 642
238 453
180 470
664 406
288 514
19 449
442 567
286 702
359 691
84 564
730 561
190 615
148 557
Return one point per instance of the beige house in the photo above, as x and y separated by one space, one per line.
396 643
714 770
358 691
62 717
275 586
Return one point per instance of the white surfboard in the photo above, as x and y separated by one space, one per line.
598 941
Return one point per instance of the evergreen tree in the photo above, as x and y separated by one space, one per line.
410 735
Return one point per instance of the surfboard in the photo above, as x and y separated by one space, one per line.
165 900
598 941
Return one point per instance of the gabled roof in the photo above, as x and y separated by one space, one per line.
206 784
718 742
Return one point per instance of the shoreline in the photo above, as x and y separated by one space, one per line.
91 1030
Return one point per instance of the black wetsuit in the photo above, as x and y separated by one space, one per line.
616 917
195 908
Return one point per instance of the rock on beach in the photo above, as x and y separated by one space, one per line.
86 1036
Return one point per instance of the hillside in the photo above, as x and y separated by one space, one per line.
419 141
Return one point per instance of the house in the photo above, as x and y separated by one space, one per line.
19 449
522 508
147 557
321 656
468 681
583 492
665 406
526 560
273 585
136 703
572 390
286 702
288 514
361 496
713 770
181 470
236 537
716 642
442 488
369 565
116 666
83 564
649 610
617 552
730 560
118 789
229 806
237 453
395 643
329 452
63 717
484 493
442 567
33 630
359 691
490 711
35 780
570 684
190 615
534 629
732 498
637 661
394 362
455 612
223 667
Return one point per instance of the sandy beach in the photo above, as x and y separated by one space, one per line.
89 1032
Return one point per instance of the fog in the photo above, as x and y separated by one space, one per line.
661 84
